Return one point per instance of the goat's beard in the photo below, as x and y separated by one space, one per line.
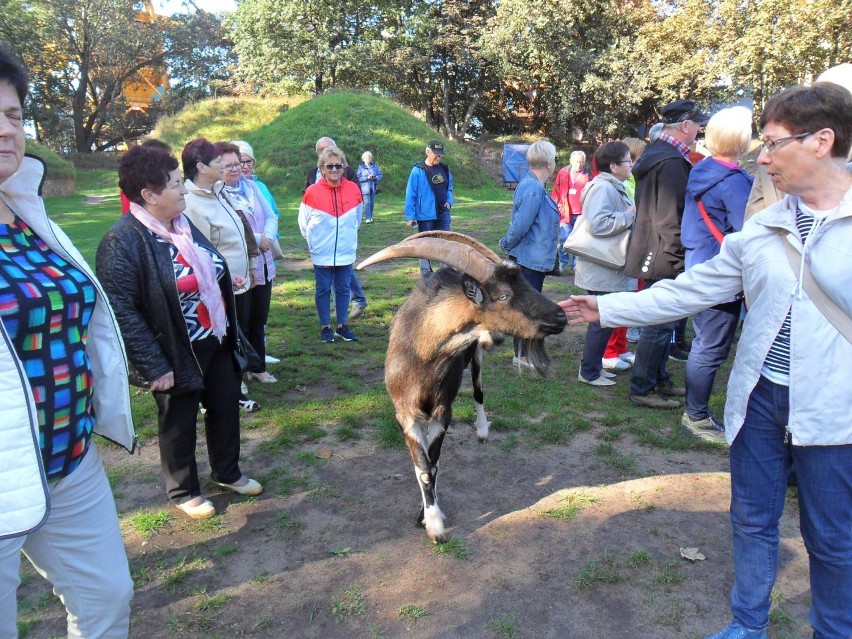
536 354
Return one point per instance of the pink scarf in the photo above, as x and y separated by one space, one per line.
200 262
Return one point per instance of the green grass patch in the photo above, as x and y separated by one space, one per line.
149 522
570 506
349 602
453 547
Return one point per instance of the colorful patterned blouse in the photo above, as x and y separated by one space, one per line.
45 305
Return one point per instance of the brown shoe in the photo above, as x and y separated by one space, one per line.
670 390
653 400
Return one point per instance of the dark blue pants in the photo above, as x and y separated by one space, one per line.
340 277
440 223
597 338
715 330
536 280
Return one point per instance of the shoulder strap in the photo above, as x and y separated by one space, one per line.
832 312
714 231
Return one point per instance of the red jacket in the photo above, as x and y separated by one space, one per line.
567 193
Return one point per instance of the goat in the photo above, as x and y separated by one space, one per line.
443 327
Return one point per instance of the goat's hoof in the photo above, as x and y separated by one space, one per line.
439 539
483 439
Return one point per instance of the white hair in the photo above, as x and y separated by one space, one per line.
244 147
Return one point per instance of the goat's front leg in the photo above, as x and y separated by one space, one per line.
425 449
482 423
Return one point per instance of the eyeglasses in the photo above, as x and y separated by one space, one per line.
770 146
246 163
334 167
627 161
233 166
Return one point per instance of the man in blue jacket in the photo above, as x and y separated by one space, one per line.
429 196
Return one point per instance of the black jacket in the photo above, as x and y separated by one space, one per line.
137 273
655 251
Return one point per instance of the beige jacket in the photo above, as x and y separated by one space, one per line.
220 224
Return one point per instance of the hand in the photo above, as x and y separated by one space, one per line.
581 308
265 244
411 223
237 282
447 206
164 382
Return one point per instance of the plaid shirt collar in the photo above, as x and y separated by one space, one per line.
680 146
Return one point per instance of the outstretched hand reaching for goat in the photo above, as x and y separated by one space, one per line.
581 308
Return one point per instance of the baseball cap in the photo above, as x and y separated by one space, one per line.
437 147
681 111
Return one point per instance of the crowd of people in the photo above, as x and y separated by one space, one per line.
179 300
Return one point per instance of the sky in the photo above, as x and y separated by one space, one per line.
169 7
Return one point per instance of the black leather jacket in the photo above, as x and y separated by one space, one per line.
137 273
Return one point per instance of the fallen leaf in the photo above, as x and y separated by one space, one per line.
325 453
692 554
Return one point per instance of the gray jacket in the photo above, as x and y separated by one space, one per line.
605 207
754 261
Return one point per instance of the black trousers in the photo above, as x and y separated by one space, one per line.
252 313
177 416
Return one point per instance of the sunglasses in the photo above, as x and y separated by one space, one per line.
334 167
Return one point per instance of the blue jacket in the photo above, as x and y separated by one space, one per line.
533 234
724 192
364 172
419 199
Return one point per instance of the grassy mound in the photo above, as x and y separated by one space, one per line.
358 122
57 168
284 138
221 119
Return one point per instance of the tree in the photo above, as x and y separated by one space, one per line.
84 53
302 45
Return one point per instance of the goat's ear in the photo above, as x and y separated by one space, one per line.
472 290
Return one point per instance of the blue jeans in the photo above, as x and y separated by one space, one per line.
356 292
441 223
715 329
369 203
759 463
327 276
564 232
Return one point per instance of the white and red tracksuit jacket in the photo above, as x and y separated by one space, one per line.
329 218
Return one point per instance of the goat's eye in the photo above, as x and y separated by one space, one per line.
503 297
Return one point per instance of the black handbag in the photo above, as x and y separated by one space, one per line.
246 357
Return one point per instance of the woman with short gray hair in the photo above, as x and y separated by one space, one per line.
369 176
533 232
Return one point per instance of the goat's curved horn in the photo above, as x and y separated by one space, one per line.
459 255
462 239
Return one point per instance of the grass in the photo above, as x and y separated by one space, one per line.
349 602
411 613
570 506
504 628
453 547
149 522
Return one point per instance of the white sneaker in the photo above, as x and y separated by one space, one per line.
272 360
614 364
600 381
628 357
606 374
243 388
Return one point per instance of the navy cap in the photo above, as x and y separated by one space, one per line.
437 147
681 111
